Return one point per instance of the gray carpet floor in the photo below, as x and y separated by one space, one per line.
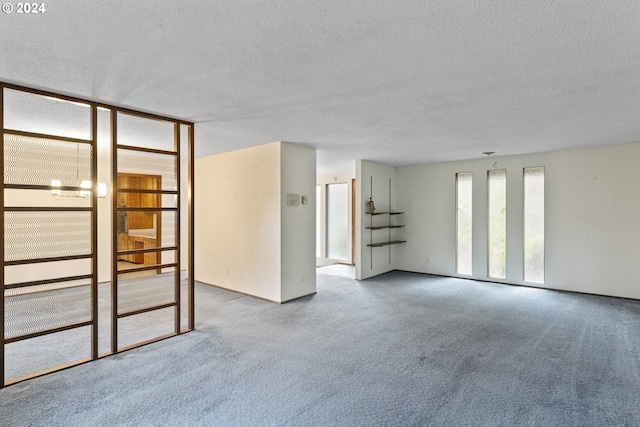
400 349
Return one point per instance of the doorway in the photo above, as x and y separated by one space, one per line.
335 224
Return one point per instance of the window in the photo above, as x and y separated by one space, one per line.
534 225
497 251
338 221
464 186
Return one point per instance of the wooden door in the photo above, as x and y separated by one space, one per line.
138 258
353 221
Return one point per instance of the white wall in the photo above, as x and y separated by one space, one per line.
246 240
298 227
376 181
592 232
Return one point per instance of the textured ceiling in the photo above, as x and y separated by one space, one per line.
398 82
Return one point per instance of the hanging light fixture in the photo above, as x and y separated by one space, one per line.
84 193
56 184
56 191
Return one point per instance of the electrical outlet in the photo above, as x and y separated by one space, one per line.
428 259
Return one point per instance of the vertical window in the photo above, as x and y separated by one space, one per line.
497 251
318 221
534 225
464 186
338 221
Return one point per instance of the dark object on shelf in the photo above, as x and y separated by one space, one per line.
371 206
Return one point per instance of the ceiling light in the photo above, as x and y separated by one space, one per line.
85 184
56 183
102 189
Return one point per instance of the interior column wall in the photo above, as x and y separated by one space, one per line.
298 227
249 240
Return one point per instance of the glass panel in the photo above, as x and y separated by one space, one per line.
168 221
104 317
184 148
534 225
162 165
34 309
140 174
42 114
127 262
26 357
43 161
104 137
145 290
34 235
184 301
464 187
497 257
148 133
158 230
146 326
45 198
27 273
338 221
184 193
318 221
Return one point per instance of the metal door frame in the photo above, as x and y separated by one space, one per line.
94 228
176 303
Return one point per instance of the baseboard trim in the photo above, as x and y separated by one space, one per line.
519 285
246 294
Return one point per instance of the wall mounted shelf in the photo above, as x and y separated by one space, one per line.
388 226
381 229
391 242
384 226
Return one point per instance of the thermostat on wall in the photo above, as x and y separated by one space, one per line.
293 199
